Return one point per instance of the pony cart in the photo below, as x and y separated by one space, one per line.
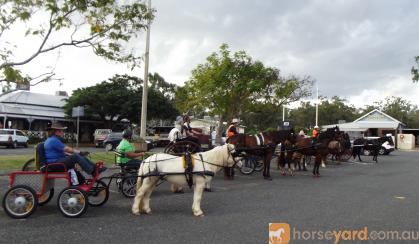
30 189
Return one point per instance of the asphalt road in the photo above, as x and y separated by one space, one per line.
381 196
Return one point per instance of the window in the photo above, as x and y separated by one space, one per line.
6 132
19 133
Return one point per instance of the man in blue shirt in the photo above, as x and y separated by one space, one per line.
55 152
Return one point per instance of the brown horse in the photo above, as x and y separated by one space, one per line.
318 148
262 144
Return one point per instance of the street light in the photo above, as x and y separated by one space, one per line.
145 86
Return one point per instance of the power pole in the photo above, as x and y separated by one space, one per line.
145 86
317 106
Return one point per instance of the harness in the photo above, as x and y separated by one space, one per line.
260 140
188 162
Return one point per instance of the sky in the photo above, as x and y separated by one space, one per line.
361 50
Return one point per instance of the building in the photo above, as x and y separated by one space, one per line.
31 112
374 123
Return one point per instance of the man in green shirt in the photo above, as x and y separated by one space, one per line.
128 151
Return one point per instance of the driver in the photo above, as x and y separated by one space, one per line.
56 152
128 150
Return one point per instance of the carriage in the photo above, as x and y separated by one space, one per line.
30 189
199 143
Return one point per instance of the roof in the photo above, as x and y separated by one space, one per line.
31 98
373 119
25 104
377 115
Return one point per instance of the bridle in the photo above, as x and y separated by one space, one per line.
230 153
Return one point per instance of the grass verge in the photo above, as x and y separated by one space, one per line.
16 162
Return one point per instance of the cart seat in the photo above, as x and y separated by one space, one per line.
41 161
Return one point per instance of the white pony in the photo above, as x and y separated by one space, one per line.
212 161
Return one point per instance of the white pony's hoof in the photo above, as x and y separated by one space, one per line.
198 214
147 211
136 213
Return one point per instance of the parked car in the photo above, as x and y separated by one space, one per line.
114 138
160 135
386 147
100 135
13 138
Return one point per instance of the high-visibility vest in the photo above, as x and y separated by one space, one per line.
229 132
315 133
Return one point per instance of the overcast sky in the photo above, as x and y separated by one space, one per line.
361 50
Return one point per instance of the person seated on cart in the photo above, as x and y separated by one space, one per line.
187 132
232 129
57 152
130 155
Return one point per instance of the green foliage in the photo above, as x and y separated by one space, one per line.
414 71
330 112
234 85
120 98
112 25
398 108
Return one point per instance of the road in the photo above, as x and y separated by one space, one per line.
381 196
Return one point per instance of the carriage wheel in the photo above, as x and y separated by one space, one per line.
346 155
181 147
46 197
20 202
258 164
98 194
248 165
72 202
307 159
128 187
30 165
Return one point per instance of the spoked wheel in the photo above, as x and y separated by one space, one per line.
46 197
181 147
72 202
248 165
30 165
307 159
99 194
346 155
128 186
20 202
258 164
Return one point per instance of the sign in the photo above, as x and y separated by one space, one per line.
77 111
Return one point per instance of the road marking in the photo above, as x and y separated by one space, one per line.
400 197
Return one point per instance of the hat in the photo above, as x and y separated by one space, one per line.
235 121
301 133
316 127
57 126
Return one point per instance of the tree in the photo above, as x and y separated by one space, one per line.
233 84
398 108
105 26
120 98
330 112
415 73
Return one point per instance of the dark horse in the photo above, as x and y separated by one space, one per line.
372 145
262 144
318 148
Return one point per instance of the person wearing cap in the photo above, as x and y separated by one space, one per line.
128 151
56 152
232 129
187 132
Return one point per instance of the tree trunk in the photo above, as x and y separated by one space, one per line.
219 130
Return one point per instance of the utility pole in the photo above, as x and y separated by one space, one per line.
317 106
145 86
283 112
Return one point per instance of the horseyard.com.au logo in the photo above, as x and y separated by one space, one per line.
279 233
